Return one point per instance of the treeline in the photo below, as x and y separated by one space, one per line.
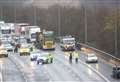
66 20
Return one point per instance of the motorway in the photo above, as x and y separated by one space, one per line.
17 68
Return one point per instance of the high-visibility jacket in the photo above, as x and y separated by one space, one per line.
50 56
33 48
76 54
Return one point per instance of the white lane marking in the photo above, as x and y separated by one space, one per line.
92 69
95 71
21 66
1 77
47 72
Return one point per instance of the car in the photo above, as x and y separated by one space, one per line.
21 41
3 52
67 44
34 55
16 37
44 58
8 46
91 58
24 49
116 72
6 38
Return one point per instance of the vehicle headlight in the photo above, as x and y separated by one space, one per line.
89 58
92 58
96 58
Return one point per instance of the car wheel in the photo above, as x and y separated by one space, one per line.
42 62
31 59
53 48
87 61
115 76
119 75
96 61
38 62
6 55
47 61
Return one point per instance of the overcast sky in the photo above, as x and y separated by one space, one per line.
46 3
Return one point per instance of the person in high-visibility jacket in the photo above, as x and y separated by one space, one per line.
76 56
50 58
33 48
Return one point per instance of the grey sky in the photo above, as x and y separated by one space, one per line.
40 3
46 3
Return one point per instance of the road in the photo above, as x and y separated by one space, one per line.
10 72
104 67
17 68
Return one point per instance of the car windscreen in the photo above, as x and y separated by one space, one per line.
7 45
91 55
68 41
22 41
33 35
6 31
25 45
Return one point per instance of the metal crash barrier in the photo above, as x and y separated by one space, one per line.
106 56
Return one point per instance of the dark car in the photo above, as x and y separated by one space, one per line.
116 72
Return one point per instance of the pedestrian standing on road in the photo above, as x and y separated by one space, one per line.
70 57
50 58
15 49
31 48
76 56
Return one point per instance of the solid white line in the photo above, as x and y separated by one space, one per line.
1 80
20 66
95 71
1 77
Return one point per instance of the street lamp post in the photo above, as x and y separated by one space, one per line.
1 12
85 22
35 18
59 21
14 13
115 31
34 12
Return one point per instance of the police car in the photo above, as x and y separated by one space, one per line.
34 55
44 58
